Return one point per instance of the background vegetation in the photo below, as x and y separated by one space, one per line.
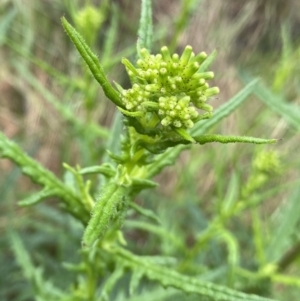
52 107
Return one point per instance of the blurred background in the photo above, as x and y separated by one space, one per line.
51 106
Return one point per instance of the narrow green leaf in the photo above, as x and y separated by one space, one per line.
109 285
258 237
6 20
184 134
37 197
134 281
233 256
105 169
145 29
22 256
187 10
111 35
276 103
131 114
145 212
114 141
143 183
286 224
232 194
93 63
232 139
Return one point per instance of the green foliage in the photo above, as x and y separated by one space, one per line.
43 290
277 103
167 277
124 241
286 70
52 185
145 29
92 62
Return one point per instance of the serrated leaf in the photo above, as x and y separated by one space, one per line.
40 175
203 139
168 277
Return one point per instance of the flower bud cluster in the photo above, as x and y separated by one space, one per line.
177 111
170 85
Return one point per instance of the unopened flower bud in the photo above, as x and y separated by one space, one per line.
185 57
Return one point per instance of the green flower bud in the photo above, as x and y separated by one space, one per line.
144 53
184 101
200 58
185 57
206 107
166 121
142 64
195 84
193 113
267 162
173 69
190 70
212 91
204 75
175 58
189 123
158 57
169 87
89 19
177 123
166 54
153 88
201 89
163 74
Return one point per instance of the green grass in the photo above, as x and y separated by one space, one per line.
223 214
